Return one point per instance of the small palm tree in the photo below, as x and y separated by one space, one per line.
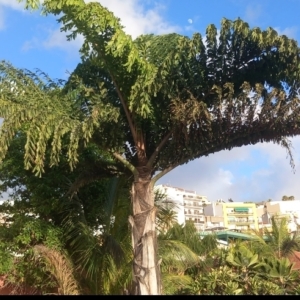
166 218
280 271
278 242
103 258
166 215
282 242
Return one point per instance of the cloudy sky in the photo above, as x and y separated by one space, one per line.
252 173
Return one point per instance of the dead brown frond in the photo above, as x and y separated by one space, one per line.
60 268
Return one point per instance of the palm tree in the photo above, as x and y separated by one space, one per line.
280 271
102 256
184 255
278 242
166 218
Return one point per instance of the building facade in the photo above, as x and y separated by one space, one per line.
241 216
235 215
188 205
289 209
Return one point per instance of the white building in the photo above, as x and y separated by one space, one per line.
289 209
187 204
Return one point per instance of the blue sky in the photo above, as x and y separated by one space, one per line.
251 173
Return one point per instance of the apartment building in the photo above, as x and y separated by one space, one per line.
289 209
236 215
187 204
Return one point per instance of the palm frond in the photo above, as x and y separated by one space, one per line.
176 256
173 284
60 268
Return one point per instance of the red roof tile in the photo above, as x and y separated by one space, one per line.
295 259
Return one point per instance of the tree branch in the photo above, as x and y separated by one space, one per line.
127 113
157 150
163 173
126 163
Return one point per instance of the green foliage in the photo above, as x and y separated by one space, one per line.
202 89
52 116
175 284
147 105
179 249
100 261
287 198
176 257
18 237
245 273
188 235
6 259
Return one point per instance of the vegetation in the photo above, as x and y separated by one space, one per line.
93 246
246 273
70 258
148 105
286 198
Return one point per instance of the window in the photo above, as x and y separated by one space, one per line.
231 220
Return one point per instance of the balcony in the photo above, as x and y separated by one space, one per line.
194 213
199 222
241 222
239 213
195 204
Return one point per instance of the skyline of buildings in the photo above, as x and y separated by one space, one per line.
232 215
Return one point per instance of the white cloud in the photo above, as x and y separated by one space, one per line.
2 19
57 39
189 28
33 43
282 180
133 14
225 177
136 19
253 12
270 174
290 32
14 4
190 21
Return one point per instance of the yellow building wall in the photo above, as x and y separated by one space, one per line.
234 205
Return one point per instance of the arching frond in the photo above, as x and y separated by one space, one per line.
44 112
60 268
176 256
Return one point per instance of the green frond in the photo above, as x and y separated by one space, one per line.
43 110
175 284
176 256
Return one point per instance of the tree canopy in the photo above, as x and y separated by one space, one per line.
152 104
172 98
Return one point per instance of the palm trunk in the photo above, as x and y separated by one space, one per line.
146 270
